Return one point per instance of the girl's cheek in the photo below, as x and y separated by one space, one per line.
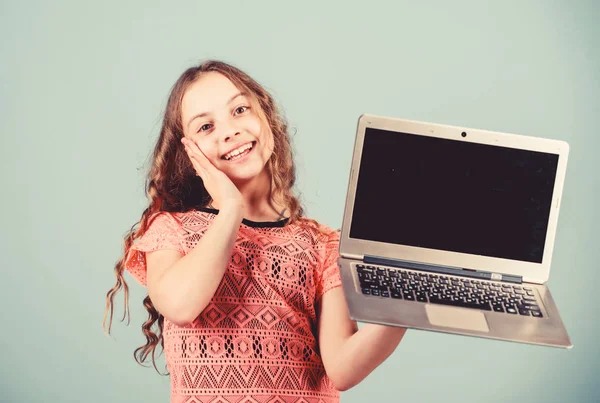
209 149
253 123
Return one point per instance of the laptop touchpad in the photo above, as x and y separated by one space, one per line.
458 318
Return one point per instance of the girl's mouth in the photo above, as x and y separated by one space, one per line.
239 152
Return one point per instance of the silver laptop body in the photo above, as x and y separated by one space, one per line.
451 229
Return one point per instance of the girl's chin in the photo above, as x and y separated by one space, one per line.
244 174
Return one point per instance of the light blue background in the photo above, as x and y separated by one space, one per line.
82 88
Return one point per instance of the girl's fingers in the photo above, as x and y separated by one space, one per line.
201 172
195 163
200 157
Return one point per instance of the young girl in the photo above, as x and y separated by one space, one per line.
244 291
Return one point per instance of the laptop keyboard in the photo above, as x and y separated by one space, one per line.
445 290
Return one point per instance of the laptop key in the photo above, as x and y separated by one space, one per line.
408 295
498 308
537 314
524 312
366 291
385 294
375 292
396 294
511 309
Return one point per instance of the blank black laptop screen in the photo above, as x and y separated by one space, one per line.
453 195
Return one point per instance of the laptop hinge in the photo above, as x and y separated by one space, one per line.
351 256
456 271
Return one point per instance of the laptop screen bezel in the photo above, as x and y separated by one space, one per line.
530 272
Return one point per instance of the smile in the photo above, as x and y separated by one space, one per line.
239 152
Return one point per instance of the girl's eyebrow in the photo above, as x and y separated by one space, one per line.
200 115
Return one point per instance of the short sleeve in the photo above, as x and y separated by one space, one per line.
164 232
327 275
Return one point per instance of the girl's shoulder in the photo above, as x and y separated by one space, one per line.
320 234
307 230
192 218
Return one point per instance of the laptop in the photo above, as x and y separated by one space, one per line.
451 229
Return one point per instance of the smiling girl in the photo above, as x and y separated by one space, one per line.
244 291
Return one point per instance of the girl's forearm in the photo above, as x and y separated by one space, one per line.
363 352
187 286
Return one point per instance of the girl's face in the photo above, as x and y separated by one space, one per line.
220 119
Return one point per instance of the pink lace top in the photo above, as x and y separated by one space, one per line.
255 341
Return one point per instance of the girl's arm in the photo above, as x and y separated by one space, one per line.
181 287
350 354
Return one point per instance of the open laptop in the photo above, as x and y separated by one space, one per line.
451 229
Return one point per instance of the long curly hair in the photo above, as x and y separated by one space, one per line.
173 186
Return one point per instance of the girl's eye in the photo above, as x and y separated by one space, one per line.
241 109
204 128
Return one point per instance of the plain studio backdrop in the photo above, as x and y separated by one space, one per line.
82 89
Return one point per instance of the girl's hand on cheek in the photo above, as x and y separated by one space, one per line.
221 189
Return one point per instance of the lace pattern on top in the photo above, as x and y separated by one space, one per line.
164 232
255 341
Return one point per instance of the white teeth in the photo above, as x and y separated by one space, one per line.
237 151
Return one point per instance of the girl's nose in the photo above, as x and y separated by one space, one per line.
230 133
